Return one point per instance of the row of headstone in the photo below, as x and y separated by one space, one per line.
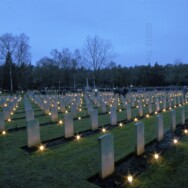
106 142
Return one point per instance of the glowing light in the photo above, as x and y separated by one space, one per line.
121 124
78 137
4 133
80 109
103 130
185 131
135 119
170 108
147 115
66 112
79 118
9 120
164 110
175 141
156 156
41 148
11 113
60 122
156 112
5 105
49 113
130 178
109 112
59 108
120 110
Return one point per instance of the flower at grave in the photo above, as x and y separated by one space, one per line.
41 147
120 124
103 130
79 118
175 141
156 156
78 137
130 178
4 133
185 131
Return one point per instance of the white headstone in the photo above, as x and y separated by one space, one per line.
68 125
94 119
113 116
140 109
173 120
29 115
54 114
2 122
106 144
33 133
140 143
160 128
128 110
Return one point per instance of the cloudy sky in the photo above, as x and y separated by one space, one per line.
140 31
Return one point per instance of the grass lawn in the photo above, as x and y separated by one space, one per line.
66 165
170 171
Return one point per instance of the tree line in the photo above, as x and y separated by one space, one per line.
69 69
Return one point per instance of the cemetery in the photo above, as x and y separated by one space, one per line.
89 140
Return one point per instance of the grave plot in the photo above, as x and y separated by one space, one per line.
74 162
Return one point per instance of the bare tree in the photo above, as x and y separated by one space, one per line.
22 54
17 47
97 52
8 44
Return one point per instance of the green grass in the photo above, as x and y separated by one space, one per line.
170 171
67 165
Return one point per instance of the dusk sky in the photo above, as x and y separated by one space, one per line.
140 31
